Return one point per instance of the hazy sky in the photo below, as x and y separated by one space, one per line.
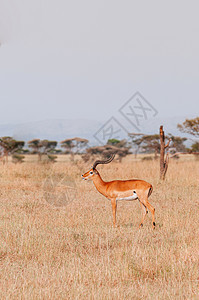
84 59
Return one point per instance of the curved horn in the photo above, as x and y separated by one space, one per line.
97 162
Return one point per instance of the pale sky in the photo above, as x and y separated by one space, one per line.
83 59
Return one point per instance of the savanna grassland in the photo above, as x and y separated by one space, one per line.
54 246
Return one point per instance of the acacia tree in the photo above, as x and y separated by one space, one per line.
190 126
195 147
148 143
114 142
137 140
9 146
42 147
151 143
177 145
74 146
49 149
113 146
48 146
68 145
35 145
80 145
119 147
177 142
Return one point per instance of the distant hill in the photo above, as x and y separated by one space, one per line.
61 129
51 129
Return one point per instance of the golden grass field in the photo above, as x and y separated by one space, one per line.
69 250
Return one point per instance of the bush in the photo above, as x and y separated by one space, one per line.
17 158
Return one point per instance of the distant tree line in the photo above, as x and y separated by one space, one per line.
138 143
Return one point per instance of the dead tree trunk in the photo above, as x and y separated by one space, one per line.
163 161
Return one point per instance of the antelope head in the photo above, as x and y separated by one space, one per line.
93 172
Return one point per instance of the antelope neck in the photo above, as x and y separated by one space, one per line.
99 183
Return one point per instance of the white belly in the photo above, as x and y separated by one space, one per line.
132 197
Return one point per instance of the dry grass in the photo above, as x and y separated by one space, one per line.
72 251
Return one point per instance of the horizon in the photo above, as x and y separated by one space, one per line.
60 129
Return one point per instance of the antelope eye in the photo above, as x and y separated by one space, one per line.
91 172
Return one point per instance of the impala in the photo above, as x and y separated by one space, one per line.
115 190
